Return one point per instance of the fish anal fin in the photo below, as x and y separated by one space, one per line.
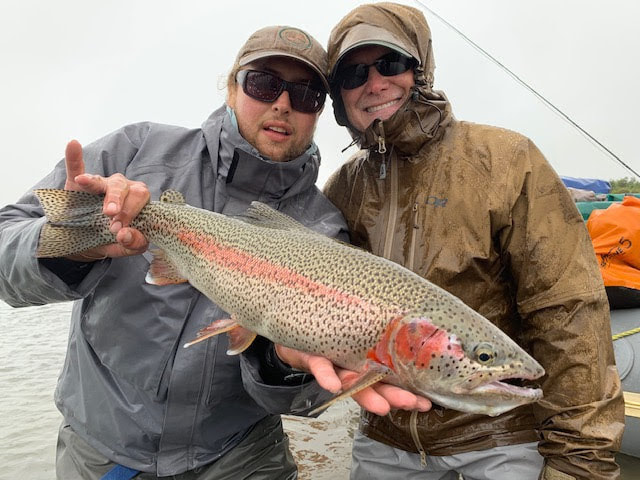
162 270
372 373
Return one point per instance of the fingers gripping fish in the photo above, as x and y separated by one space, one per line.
281 280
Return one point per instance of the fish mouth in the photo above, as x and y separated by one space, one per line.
505 385
508 389
491 398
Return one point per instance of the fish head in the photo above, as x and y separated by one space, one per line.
463 373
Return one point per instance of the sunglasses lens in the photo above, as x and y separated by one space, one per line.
261 85
393 64
354 76
266 87
305 98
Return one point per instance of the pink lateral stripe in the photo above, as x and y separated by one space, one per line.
251 266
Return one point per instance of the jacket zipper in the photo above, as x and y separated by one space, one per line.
393 209
412 242
413 428
387 248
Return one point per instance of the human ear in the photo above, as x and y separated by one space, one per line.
231 96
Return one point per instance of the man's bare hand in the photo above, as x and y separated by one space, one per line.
380 398
123 200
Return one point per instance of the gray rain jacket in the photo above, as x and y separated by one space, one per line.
127 386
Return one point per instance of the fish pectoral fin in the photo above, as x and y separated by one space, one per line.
216 328
239 337
373 373
162 270
239 340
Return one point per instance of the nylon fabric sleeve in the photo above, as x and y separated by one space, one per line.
24 280
565 323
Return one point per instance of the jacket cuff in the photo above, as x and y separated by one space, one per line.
275 386
272 370
70 272
550 473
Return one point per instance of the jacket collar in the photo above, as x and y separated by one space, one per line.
245 175
420 121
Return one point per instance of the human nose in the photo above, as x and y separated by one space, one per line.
375 81
282 104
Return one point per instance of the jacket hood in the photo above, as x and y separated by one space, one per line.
403 29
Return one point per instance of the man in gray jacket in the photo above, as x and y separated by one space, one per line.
136 404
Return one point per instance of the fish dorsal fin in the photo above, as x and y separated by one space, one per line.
263 215
172 196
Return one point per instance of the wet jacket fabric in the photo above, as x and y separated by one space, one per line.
127 386
478 211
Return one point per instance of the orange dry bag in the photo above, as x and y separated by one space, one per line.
615 233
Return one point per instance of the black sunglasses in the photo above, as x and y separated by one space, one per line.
354 76
266 87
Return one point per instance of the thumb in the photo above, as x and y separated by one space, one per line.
324 373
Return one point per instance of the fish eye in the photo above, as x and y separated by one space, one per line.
484 353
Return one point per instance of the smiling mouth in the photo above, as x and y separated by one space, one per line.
278 130
380 107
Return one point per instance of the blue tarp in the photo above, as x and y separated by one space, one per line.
593 184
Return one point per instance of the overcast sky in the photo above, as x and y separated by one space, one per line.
82 68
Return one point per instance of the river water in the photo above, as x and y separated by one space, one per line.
32 349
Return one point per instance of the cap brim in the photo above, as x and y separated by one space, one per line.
363 34
252 57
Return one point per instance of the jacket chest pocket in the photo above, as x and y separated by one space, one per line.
450 238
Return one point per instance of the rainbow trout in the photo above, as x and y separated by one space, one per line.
306 291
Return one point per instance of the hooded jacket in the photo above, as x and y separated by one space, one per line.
127 387
478 211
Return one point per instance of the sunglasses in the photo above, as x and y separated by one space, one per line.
266 87
354 76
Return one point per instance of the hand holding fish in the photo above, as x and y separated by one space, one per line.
123 200
379 398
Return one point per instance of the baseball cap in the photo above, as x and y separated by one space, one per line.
363 34
285 41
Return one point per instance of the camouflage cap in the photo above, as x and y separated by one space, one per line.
283 41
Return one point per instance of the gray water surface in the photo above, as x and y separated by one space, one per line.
32 349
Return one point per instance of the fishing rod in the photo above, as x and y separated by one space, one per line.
538 95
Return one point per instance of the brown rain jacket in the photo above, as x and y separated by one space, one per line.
479 211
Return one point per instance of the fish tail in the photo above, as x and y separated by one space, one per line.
75 223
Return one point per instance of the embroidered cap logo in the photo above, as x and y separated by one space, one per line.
296 38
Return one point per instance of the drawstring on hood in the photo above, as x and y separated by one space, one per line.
418 97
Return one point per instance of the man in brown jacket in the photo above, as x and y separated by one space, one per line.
479 211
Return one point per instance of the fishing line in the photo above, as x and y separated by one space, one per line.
539 96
